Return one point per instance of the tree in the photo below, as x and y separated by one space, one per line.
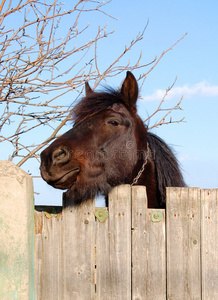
42 61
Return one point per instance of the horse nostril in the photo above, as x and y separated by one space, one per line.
60 155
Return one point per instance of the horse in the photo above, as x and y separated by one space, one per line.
110 145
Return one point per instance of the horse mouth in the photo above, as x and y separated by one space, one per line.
67 180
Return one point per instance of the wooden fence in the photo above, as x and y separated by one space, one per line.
125 251
129 251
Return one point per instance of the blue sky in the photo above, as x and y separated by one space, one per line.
194 62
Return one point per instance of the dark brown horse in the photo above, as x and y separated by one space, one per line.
107 146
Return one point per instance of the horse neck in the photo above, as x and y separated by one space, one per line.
148 176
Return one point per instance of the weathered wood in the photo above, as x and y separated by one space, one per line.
48 255
79 248
65 258
16 233
133 259
183 243
113 244
209 240
148 248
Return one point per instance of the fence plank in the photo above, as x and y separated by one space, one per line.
16 233
183 243
65 246
48 255
79 251
148 248
209 200
113 244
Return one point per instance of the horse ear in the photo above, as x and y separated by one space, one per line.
129 90
88 89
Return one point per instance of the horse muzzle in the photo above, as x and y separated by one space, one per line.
57 169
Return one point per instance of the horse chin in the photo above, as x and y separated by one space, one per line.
80 192
75 195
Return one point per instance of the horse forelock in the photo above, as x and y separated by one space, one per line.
95 103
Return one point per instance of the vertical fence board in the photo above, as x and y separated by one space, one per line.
148 249
102 259
79 251
183 243
113 244
48 255
16 233
209 200
65 259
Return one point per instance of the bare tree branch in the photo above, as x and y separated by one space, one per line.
166 111
43 66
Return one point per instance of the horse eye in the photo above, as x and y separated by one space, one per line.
113 122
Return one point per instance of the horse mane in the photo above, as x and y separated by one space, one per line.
166 165
95 103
